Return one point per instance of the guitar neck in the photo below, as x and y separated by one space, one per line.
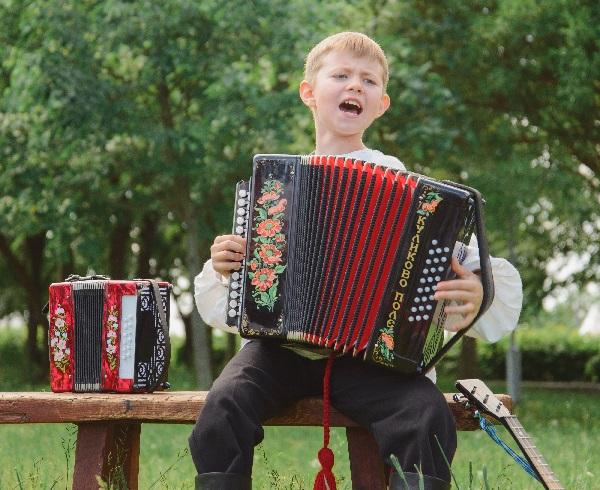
549 479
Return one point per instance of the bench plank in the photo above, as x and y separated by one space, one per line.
178 407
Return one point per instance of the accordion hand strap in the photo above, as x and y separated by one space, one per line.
487 279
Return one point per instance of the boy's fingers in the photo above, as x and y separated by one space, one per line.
236 244
462 309
455 294
227 256
458 268
463 284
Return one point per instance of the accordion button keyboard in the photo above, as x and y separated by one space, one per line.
240 224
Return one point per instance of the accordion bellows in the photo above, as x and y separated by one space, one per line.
107 335
345 256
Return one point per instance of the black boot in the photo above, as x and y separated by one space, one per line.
223 481
412 482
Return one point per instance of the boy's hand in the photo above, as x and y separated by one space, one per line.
466 290
227 252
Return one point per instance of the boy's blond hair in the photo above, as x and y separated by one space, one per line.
357 43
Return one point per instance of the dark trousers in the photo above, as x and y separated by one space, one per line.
404 413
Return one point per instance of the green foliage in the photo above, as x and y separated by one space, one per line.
552 353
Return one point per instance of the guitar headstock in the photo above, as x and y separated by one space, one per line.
482 397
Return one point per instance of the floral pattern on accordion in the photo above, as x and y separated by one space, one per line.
429 203
384 347
265 267
59 349
112 335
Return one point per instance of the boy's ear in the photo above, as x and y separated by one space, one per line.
384 105
307 94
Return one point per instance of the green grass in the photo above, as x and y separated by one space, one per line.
564 426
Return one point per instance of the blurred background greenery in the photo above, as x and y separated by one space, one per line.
125 124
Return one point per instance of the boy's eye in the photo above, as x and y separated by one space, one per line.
370 81
340 75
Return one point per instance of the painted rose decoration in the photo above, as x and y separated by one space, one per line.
429 204
59 351
112 333
269 244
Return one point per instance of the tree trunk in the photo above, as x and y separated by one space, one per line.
201 345
119 240
147 244
36 298
468 366
186 354
231 346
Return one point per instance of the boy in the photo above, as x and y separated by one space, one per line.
345 88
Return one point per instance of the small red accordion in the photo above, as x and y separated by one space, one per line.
108 336
345 256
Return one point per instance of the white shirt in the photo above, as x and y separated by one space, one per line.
210 288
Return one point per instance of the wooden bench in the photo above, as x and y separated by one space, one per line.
109 427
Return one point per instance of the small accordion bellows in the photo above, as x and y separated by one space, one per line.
344 255
108 336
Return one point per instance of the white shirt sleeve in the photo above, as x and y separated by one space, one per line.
503 314
210 293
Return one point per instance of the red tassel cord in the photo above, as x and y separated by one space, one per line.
325 479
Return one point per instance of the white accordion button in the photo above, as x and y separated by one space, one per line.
242 202
446 249
234 285
233 303
242 193
239 230
241 211
231 312
240 220
434 242
233 294
235 276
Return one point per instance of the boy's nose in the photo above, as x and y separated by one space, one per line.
355 86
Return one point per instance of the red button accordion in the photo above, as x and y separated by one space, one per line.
107 335
344 255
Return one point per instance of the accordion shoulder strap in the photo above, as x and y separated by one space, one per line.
487 279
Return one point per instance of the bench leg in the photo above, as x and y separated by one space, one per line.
110 450
366 467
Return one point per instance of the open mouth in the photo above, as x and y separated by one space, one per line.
351 106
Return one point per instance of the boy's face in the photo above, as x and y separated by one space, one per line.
346 95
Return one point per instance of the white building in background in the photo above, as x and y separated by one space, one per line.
591 322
